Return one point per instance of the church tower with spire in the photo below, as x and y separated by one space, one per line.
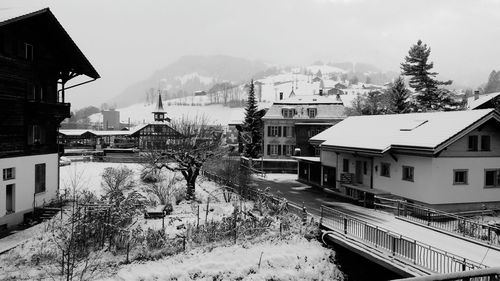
160 115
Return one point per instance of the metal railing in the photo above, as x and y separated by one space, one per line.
488 274
456 224
395 244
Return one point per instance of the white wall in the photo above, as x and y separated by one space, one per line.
25 181
421 189
329 158
446 192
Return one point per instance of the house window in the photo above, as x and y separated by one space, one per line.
37 134
288 132
288 112
317 151
274 131
408 173
288 149
385 170
312 112
492 178
472 143
274 149
345 166
28 54
485 143
460 176
9 174
39 178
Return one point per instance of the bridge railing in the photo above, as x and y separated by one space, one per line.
456 224
487 274
395 244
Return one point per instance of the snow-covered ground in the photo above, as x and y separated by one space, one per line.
289 258
295 259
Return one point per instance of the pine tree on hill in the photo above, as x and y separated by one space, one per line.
398 96
416 66
252 125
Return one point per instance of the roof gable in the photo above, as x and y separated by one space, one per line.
69 57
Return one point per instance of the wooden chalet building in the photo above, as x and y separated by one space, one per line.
37 60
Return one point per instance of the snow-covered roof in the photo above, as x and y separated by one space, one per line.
473 104
110 133
328 108
71 132
423 131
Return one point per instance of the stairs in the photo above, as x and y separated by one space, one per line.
45 213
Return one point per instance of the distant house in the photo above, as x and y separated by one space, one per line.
448 160
289 123
482 101
37 60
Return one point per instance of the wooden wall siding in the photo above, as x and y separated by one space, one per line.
460 147
22 83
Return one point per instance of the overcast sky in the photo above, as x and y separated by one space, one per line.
127 41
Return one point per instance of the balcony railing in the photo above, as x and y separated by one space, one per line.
58 110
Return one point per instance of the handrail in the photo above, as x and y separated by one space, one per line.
419 253
459 225
492 273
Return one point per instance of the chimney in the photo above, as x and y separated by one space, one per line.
281 95
320 92
338 97
476 94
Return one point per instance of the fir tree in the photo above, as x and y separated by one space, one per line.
493 84
398 96
416 66
252 125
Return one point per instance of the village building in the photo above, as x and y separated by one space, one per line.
37 60
478 101
289 123
446 160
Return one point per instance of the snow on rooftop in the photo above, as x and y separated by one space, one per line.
379 132
472 103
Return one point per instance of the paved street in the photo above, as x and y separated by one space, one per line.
286 185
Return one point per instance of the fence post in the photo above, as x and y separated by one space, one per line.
464 268
321 216
428 217
345 225
62 263
198 218
393 248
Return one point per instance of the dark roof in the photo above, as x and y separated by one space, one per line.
76 60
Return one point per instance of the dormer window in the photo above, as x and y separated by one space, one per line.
28 52
312 112
288 112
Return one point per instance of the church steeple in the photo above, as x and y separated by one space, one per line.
160 113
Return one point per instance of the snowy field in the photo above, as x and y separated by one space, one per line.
267 257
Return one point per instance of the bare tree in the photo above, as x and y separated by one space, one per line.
197 144
115 181
163 190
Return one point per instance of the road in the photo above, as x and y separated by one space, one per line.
285 185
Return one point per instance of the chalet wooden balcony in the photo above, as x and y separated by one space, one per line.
59 111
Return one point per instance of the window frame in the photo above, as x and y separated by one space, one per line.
312 112
345 165
382 165
482 146
287 112
29 51
412 173
472 143
466 176
5 173
496 178
40 178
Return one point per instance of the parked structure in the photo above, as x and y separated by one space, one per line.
448 160
37 59
482 101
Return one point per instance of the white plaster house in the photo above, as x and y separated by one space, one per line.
448 160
